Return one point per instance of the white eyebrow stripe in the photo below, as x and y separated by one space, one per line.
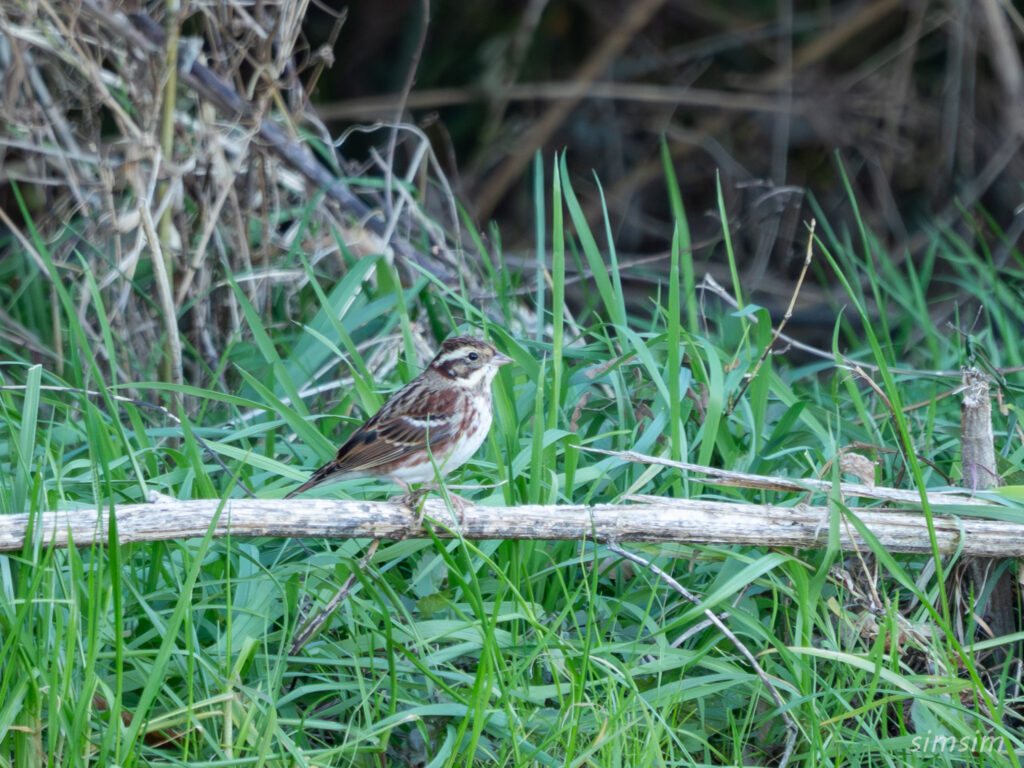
455 354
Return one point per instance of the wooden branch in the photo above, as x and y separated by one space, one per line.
658 519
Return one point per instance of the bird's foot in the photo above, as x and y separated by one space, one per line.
414 500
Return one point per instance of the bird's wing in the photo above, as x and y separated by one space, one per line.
404 425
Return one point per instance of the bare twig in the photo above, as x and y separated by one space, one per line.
370 107
782 323
163 285
733 479
314 625
709 284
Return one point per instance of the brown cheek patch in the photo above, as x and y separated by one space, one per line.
455 369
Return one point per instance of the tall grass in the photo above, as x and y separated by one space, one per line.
519 653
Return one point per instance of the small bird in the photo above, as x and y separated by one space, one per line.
446 409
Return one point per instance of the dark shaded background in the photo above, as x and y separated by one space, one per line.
919 101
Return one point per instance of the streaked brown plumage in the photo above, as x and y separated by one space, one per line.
448 406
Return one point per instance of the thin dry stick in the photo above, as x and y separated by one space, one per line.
26 245
709 284
164 294
861 17
791 726
782 324
321 618
406 205
404 198
370 107
170 93
78 58
715 476
213 213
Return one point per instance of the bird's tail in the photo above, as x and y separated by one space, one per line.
321 475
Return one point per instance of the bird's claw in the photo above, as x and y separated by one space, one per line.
414 501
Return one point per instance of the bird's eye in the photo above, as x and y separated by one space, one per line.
473 356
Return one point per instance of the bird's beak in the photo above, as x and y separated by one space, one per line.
500 359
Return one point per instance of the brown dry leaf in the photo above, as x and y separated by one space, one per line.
859 466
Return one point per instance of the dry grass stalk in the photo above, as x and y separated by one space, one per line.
216 183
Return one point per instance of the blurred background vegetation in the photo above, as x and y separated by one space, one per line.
917 100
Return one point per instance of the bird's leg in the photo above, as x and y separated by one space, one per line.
412 499
459 503
415 499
